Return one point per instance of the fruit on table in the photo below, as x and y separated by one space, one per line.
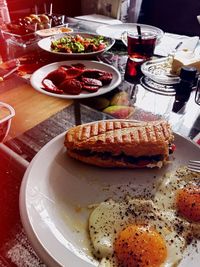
120 112
101 103
120 99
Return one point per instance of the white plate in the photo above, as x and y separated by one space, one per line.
45 44
53 31
56 191
117 31
159 70
40 74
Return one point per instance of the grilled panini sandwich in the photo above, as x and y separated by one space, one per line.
121 143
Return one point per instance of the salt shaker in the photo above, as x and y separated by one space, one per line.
184 88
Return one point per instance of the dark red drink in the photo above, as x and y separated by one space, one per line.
140 48
133 71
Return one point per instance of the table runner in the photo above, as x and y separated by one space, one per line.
29 143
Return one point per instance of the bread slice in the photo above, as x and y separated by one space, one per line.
120 143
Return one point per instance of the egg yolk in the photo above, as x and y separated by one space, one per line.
188 202
140 246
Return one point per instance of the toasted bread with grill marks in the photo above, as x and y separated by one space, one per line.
132 138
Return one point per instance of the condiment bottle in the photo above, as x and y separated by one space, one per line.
184 88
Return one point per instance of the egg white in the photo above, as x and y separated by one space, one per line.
165 200
109 218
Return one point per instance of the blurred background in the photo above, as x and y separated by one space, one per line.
177 16
20 8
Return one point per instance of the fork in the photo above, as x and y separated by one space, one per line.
194 165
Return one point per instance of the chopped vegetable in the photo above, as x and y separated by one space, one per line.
79 44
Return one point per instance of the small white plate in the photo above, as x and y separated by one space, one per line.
53 31
159 70
45 44
40 74
119 31
56 191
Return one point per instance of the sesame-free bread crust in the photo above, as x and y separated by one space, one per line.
131 138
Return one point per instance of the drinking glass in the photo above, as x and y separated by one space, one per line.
140 49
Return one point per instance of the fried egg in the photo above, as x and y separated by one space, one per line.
132 233
178 196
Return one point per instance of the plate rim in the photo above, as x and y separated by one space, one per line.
128 24
90 54
80 96
36 242
38 32
164 80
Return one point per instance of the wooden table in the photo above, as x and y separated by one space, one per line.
31 107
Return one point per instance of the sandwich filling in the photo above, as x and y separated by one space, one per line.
142 160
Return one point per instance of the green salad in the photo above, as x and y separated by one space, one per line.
79 44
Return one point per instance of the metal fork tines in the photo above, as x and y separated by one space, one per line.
194 165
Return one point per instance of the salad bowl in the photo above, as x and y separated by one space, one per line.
76 45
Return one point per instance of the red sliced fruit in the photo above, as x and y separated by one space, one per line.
50 87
